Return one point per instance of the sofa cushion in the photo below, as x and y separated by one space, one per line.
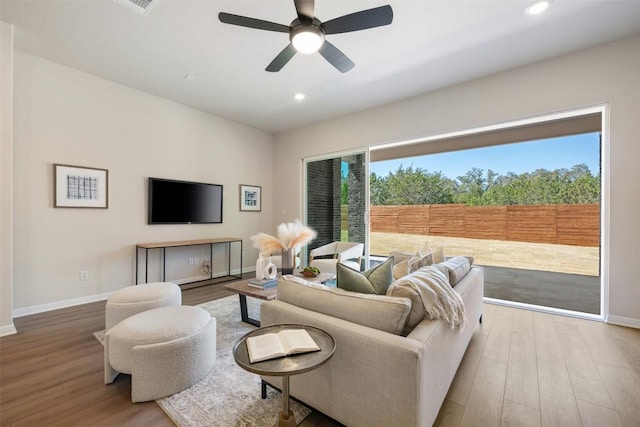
375 280
380 312
457 267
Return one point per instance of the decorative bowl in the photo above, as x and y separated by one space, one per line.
307 273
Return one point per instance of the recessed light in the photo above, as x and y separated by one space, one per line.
299 96
537 7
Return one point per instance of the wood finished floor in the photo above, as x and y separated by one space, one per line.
522 368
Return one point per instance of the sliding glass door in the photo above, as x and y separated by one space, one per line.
336 198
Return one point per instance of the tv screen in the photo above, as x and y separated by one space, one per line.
182 202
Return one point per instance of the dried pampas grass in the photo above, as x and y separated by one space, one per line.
265 243
291 235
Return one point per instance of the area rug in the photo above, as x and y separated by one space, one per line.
229 396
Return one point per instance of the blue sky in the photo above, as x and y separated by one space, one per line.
552 153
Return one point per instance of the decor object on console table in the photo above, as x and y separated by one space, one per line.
291 236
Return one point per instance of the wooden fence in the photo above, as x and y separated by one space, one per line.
577 225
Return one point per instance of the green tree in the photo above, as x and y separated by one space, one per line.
344 191
409 186
377 190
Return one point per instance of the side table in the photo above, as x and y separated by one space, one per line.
286 366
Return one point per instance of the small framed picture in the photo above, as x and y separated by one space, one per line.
250 198
80 187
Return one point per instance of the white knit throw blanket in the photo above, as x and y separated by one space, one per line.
438 297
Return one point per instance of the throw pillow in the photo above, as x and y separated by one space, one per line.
399 256
401 269
458 267
438 255
376 280
419 260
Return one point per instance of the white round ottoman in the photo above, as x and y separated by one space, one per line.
132 300
166 350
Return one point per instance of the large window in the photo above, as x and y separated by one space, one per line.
523 200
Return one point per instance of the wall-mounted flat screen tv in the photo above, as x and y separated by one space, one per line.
182 202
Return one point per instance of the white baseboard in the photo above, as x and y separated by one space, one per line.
25 311
8 330
190 279
624 321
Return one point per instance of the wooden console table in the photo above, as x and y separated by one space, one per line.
164 245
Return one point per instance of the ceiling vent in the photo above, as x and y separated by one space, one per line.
140 7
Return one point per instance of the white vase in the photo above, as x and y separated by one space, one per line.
270 270
260 267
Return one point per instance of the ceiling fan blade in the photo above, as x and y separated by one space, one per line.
336 57
305 9
362 20
243 21
282 59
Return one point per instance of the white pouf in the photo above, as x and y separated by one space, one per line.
132 300
166 350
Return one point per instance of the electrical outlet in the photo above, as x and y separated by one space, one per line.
84 275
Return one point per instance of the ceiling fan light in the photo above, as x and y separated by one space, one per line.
537 7
307 40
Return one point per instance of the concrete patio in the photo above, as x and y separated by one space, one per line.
573 292
557 276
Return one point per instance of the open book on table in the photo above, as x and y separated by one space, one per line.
280 344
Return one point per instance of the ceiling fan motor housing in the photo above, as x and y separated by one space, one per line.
306 37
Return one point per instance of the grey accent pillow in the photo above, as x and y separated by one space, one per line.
457 267
376 280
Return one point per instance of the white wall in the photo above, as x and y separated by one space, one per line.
605 74
6 166
62 115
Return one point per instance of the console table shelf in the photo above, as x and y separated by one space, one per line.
164 245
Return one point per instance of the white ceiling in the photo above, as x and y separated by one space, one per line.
430 44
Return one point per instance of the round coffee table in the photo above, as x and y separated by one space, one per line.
286 366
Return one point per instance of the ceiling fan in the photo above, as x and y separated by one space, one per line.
307 33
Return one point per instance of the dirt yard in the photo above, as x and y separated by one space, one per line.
531 256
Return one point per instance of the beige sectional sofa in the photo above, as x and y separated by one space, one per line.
377 376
